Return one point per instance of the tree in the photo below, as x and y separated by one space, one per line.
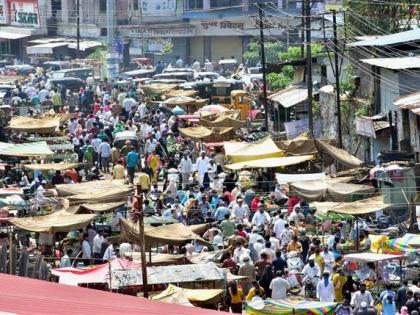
253 54
370 17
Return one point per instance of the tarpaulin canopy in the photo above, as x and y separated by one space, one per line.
31 149
223 119
289 306
302 144
201 133
397 246
170 274
291 178
357 207
188 93
24 296
60 221
96 274
330 189
262 149
100 207
89 187
271 162
50 166
371 257
179 101
200 296
158 88
34 125
102 196
338 154
158 220
332 216
173 234
158 259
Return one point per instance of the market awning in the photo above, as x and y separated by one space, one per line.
290 306
12 35
60 221
85 45
89 187
247 152
50 166
339 154
31 149
44 49
410 102
201 133
357 207
292 178
101 207
302 144
173 234
290 96
34 125
177 295
331 189
371 257
271 162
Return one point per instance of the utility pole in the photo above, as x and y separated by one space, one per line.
302 32
307 10
78 28
337 79
142 242
112 58
264 66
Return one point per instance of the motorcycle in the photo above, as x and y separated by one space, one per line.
310 284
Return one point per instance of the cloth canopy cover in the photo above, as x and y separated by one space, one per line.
208 296
50 166
339 154
60 221
271 162
290 306
31 149
34 125
357 207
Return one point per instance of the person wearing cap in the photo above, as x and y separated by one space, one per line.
246 270
185 168
260 218
240 211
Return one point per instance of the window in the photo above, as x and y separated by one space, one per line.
224 3
104 32
135 5
195 4
102 6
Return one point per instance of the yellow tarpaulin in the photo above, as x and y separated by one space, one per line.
102 196
60 221
173 234
200 296
101 207
338 154
261 149
90 187
300 145
271 162
358 207
189 93
201 133
34 125
50 166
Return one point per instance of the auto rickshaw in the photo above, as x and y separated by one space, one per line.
242 101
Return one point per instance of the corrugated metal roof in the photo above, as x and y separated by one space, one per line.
12 35
392 39
411 102
394 63
290 96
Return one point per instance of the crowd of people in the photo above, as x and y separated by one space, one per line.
261 228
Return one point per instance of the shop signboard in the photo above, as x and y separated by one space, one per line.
3 12
365 127
158 7
24 14
158 31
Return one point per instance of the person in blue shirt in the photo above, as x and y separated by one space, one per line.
221 211
132 162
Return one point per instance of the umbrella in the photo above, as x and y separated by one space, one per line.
178 111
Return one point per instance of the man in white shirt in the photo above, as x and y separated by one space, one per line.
279 226
150 145
128 104
296 216
104 151
254 236
328 260
65 261
109 253
97 244
185 167
125 248
196 66
202 166
239 253
95 143
285 236
311 272
72 126
361 296
142 110
86 250
240 211
279 287
260 218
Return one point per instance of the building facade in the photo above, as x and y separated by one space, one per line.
197 29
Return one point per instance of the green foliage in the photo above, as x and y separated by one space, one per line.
294 53
253 54
389 17
347 84
278 81
168 48
98 54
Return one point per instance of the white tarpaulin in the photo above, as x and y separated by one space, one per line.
291 178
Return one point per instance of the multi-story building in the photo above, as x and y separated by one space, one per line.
20 21
198 29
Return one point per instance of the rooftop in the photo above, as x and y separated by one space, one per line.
389 40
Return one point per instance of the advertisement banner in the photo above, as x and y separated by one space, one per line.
3 12
297 127
24 14
158 7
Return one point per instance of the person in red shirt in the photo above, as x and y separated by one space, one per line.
255 202
230 263
72 174
242 232
227 194
291 203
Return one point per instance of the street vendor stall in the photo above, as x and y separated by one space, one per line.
290 306
46 125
